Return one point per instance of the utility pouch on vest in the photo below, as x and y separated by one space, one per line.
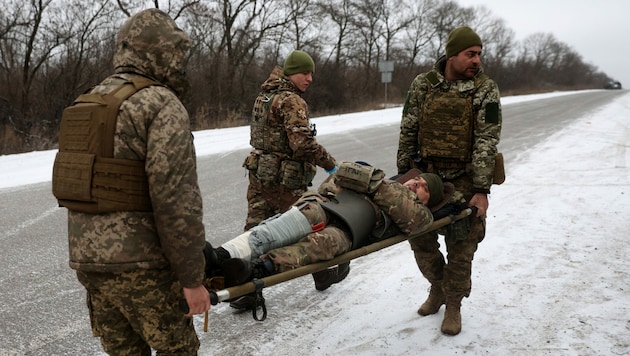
292 174
358 177
251 161
72 174
268 167
499 170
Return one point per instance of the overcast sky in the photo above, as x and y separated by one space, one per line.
597 30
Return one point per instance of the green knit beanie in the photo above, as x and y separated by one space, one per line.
459 39
298 62
436 188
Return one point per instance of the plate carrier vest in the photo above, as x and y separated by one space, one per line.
86 176
447 123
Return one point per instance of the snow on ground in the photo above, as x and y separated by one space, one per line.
36 167
551 277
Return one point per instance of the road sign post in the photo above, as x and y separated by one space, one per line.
386 68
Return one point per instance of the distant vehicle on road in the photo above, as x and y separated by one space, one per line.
613 84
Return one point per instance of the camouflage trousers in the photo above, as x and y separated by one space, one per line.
265 200
135 312
455 271
317 246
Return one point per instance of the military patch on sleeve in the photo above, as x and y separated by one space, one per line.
492 113
406 103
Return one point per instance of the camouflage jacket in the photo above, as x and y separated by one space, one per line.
153 126
289 117
487 124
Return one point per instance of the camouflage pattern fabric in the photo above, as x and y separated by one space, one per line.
286 133
317 246
456 275
402 205
487 125
151 44
133 312
153 126
267 199
476 178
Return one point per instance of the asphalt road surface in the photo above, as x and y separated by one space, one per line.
42 309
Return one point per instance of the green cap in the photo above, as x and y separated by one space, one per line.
461 38
436 188
298 62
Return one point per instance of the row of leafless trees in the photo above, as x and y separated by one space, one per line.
53 50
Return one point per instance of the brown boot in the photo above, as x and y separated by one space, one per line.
452 323
434 301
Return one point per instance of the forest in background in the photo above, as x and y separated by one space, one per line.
53 50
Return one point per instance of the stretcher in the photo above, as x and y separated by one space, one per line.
257 285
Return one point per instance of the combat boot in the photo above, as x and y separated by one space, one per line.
452 323
214 257
248 302
434 301
238 271
326 278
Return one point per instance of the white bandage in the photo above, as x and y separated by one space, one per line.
239 246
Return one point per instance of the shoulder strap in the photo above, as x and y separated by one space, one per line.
113 100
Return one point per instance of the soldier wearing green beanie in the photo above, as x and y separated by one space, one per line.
285 153
436 188
461 38
451 125
298 62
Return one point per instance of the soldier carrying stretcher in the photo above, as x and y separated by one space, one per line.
354 207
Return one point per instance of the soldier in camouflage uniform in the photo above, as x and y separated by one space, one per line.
318 227
450 126
285 152
137 265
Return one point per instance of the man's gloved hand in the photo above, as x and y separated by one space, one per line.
332 170
448 210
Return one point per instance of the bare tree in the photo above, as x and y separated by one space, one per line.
57 49
32 45
396 17
447 16
175 8
338 13
300 26
419 33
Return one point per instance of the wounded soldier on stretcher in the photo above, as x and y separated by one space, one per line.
352 208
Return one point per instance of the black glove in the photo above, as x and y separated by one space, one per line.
449 209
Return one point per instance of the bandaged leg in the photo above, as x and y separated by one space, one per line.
239 246
286 229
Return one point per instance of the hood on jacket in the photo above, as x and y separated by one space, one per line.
150 43
277 81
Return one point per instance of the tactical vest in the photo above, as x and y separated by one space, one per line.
86 177
265 136
447 123
272 157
